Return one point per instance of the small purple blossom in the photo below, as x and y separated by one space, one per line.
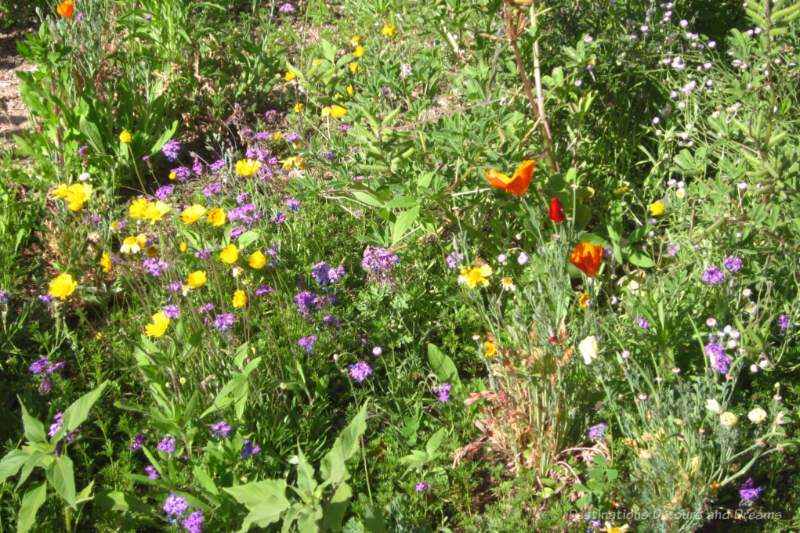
155 266
224 321
326 274
3 297
215 187
171 311
197 166
443 392
206 308
249 449
194 524
597 431
171 149
291 137
39 365
360 371
175 506
56 425
279 218
152 473
167 444
264 289
331 321
217 165
137 442
716 355
162 193
221 429
732 263
45 298
784 322
422 486
453 258
643 323
286 8
749 491
713 276
236 232
307 343
175 286
182 173
293 204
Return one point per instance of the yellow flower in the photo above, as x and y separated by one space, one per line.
182 246
326 112
125 137
354 66
137 208
193 213
239 298
229 255
247 167
656 208
158 325
355 40
216 217
105 262
338 111
489 349
298 107
172 175
359 51
62 286
76 195
132 245
257 260
584 300
508 284
277 136
621 190
196 279
614 529
476 276
316 62
182 380
115 226
289 76
155 211
293 162
388 30
350 91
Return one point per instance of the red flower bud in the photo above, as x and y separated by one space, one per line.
556 213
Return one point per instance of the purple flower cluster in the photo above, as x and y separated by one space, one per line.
331 321
197 167
422 486
194 523
171 311
716 355
784 322
167 444
379 264
137 442
224 321
264 289
307 302
45 367
748 491
360 371
56 425
152 473
182 173
293 204
215 187
249 449
307 343
278 218
162 193
643 323
221 429
248 214
155 265
597 431
326 274
171 149
443 392
713 276
732 263
175 505
217 165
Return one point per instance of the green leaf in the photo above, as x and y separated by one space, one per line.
167 135
373 520
60 474
443 366
367 198
434 442
119 501
34 430
337 507
347 443
247 238
265 500
641 260
404 221
33 499
76 413
11 463
204 479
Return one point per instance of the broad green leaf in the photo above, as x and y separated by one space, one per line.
333 467
404 221
641 260
11 463
337 507
167 135
119 501
257 492
204 479
443 366
367 198
76 413
434 442
247 238
308 519
60 474
34 430
373 520
33 499
86 494
305 474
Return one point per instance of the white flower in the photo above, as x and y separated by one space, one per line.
714 406
502 259
728 419
588 349
757 415
405 70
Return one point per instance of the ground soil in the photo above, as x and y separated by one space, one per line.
13 115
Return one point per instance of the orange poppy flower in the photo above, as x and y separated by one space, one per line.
66 9
587 257
516 184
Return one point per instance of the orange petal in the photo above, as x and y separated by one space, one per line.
522 178
497 179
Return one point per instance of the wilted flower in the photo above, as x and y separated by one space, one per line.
588 348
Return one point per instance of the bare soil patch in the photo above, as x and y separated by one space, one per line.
13 114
